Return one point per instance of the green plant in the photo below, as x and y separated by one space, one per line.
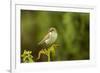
27 57
47 52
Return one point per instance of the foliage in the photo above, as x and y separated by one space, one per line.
47 52
27 57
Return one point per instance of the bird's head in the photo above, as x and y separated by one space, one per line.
52 29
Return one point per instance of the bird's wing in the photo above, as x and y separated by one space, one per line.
45 38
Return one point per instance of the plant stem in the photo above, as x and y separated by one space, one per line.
48 55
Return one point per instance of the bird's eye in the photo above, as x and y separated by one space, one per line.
51 30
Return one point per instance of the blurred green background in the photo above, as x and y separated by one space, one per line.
72 28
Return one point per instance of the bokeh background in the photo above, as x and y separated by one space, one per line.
72 28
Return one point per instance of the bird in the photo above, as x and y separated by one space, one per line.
50 38
46 42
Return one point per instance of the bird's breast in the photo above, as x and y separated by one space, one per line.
52 38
